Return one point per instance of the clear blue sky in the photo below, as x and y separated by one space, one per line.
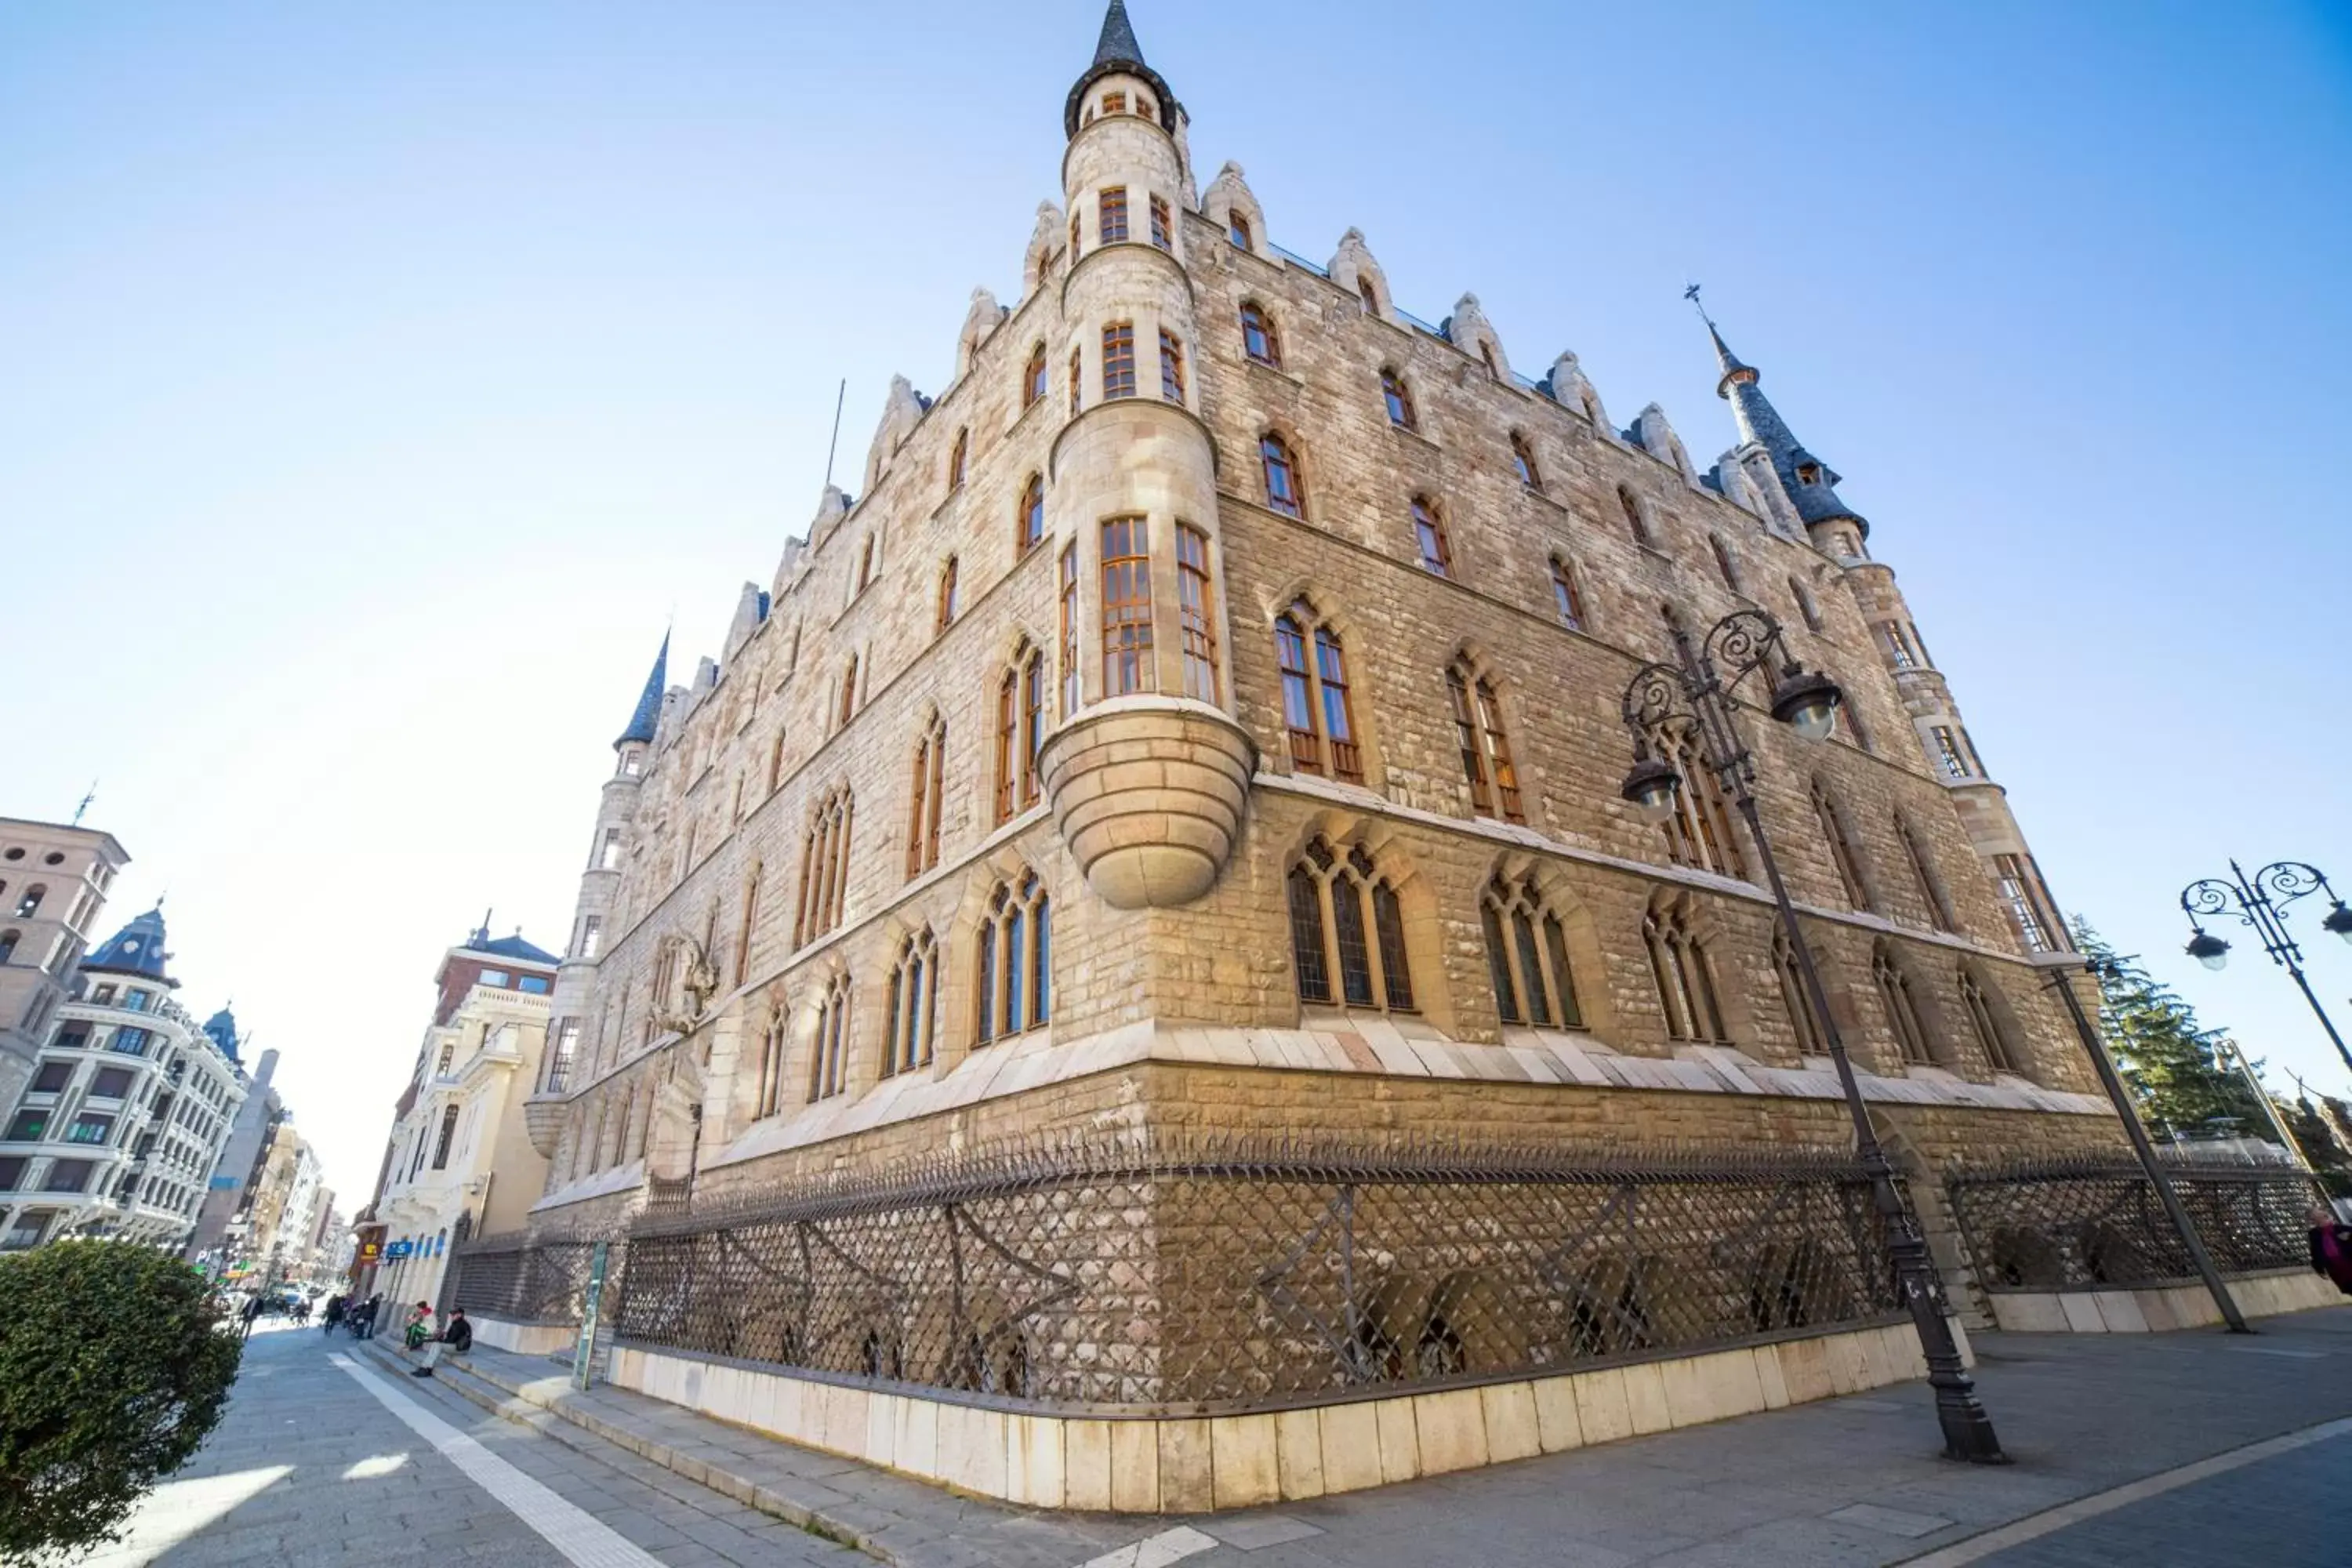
377 381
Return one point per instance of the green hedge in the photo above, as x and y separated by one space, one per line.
115 1363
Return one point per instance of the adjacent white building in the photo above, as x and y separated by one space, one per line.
129 1100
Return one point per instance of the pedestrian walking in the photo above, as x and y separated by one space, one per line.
2331 1246
456 1338
332 1315
368 1310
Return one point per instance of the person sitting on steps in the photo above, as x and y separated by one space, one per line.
457 1337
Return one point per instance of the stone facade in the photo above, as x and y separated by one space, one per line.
1088 655
53 882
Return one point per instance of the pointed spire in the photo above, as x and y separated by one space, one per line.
1117 47
1810 484
1118 53
1729 364
648 709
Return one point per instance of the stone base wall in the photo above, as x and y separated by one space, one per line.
2159 1308
1185 1465
523 1338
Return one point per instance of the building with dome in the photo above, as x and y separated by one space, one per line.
130 1103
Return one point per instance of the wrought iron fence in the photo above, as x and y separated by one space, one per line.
2083 1222
1155 1279
525 1278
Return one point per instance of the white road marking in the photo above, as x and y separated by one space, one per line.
584 1539
1155 1551
2035 1526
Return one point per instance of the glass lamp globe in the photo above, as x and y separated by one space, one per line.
1650 789
2209 950
1807 701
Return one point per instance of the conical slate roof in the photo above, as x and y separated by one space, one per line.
1811 483
648 709
1118 53
136 949
222 1028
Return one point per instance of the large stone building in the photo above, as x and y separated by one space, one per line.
53 882
225 1218
459 1160
129 1106
1207 717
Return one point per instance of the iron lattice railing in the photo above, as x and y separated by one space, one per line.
1151 1278
2085 1222
524 1279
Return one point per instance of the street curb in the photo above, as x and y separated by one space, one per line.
550 1418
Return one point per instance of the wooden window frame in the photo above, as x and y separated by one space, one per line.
1196 610
1258 324
1275 455
1164 232
1568 599
1127 609
1356 924
1118 361
1435 550
1171 368
1034 378
1029 516
1397 398
944 612
1110 216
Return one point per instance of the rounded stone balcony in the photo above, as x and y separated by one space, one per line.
542 1119
1148 793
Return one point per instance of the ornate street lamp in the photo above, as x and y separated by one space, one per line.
2261 901
1693 698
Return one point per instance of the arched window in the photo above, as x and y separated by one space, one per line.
773 1042
776 761
829 1063
1902 1009
1566 601
1699 832
1931 886
1110 216
847 707
1985 1023
1126 606
1029 517
1399 401
1020 730
1368 294
1076 385
1841 849
1485 746
945 614
1068 604
1684 978
1237 229
1636 520
8 941
29 904
866 564
1171 367
1523 461
1807 606
825 867
1196 612
1118 360
750 924
1033 378
1162 233
1428 537
1013 972
1346 921
1260 341
956 456
1316 710
1725 565
1283 491
1526 954
908 1032
1487 357
1804 1021
926 791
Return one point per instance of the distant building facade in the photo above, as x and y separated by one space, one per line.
228 1197
459 1160
53 883
117 1129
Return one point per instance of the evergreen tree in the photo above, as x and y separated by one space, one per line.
2319 1127
2169 1062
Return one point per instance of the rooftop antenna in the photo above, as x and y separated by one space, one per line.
90 795
1691 294
829 445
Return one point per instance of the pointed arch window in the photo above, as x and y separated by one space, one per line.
750 924
1428 537
1724 564
2019 888
944 614
1110 216
1902 1009
776 761
1523 462
1033 377
1196 612
1685 977
1346 923
829 1065
1237 229
1283 491
1398 398
957 456
1029 517
1699 832
1020 730
1484 743
1813 1041
1841 848
1526 954
1992 1038
825 867
1931 886
866 564
1368 295
1013 968
1260 340
1637 521
911 1025
1069 609
926 791
1566 601
1126 606
769 1092
1171 367
1118 360
1807 606
1316 708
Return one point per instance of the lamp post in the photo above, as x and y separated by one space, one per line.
2158 1177
2261 901
1694 698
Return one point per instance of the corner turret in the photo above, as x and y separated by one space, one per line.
1117 53
1810 484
